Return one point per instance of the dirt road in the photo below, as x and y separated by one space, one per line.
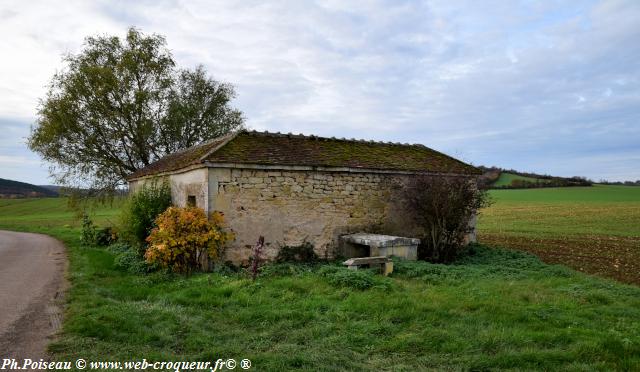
31 283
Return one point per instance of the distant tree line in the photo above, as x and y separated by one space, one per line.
620 183
548 182
491 175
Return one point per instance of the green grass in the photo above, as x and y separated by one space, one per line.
597 210
51 212
495 309
594 194
505 179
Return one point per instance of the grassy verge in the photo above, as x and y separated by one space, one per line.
495 309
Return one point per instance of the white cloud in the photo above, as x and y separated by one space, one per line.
491 82
17 161
35 36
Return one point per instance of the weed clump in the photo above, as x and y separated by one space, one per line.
127 259
482 262
356 279
301 253
93 235
285 269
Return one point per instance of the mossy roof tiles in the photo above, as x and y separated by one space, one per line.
274 149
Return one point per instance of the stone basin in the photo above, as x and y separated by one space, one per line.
365 244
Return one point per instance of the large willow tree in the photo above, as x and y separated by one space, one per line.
121 104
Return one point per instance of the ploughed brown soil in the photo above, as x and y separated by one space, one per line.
606 256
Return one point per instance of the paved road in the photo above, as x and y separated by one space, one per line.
31 283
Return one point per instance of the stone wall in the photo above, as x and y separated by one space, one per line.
289 207
192 183
184 184
293 206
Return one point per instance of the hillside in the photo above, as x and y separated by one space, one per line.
506 179
55 188
10 189
499 178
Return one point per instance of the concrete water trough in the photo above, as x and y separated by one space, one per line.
367 245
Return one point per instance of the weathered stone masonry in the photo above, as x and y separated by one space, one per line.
289 207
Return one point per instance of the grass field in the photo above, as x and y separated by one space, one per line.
496 309
593 229
44 213
505 179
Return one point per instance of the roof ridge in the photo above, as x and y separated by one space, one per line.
186 149
316 137
224 141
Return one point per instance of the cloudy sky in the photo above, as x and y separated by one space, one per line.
548 86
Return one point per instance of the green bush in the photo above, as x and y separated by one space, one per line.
226 268
92 235
118 248
300 253
127 259
88 235
140 211
105 236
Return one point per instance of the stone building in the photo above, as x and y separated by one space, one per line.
295 188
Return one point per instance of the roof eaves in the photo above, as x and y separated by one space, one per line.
168 172
329 168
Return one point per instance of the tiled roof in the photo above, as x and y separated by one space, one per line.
177 160
262 148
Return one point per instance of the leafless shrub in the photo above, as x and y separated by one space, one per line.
444 208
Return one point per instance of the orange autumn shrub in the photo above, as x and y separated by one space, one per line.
185 239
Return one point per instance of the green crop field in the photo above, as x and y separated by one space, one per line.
593 229
505 179
494 309
51 213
